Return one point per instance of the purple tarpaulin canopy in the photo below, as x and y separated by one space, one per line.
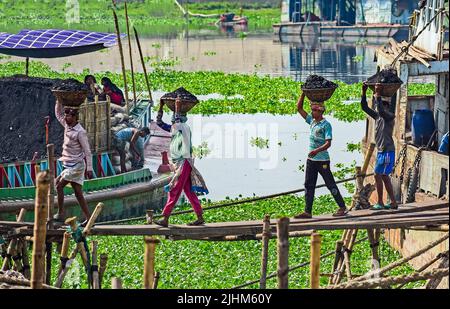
53 43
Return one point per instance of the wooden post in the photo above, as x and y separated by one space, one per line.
316 240
27 66
39 230
367 158
51 191
12 247
283 252
102 269
95 276
149 217
266 234
149 261
155 283
98 209
122 61
116 283
147 82
108 121
131 54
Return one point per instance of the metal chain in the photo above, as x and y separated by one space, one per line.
402 154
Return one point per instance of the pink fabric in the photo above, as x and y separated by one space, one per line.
76 144
183 183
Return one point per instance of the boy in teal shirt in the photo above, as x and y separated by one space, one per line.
318 158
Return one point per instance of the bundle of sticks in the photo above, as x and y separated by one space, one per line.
414 53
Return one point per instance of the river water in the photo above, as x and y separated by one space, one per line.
235 167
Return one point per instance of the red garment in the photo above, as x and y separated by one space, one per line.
116 97
183 184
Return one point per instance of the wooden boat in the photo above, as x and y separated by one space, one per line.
124 195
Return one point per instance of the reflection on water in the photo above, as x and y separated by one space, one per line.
335 59
234 166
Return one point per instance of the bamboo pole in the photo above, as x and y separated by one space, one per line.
48 262
62 275
80 245
98 209
122 61
374 248
155 283
265 251
149 261
25 260
133 82
147 82
283 252
40 232
116 283
95 275
64 252
102 269
367 158
316 240
51 191
12 247
337 258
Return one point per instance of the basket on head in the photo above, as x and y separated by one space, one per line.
70 98
387 89
188 100
319 94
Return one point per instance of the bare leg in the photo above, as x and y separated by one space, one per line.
389 189
379 185
60 184
81 200
123 168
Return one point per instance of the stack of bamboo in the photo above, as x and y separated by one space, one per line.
414 53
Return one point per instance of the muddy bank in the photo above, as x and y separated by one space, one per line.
24 104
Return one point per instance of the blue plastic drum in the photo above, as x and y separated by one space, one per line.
422 126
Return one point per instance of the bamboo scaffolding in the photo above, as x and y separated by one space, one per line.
98 209
20 282
265 251
48 262
283 252
316 241
149 261
64 252
381 271
40 216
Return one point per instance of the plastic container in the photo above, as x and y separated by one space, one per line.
422 126
443 146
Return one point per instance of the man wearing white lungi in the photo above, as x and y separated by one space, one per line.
75 151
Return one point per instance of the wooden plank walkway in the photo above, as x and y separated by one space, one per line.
414 214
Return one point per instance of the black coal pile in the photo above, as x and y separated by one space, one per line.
317 82
182 93
385 76
24 104
70 85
